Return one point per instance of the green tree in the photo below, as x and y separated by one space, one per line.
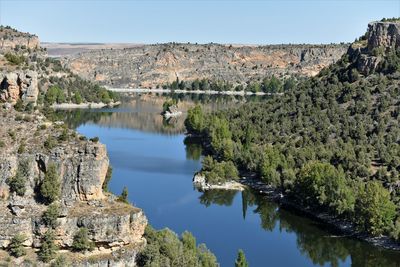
51 215
16 247
194 121
241 260
50 188
48 249
374 210
81 240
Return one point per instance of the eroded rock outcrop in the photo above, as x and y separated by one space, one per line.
82 167
11 39
383 34
19 85
381 38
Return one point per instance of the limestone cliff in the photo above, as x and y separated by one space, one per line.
82 167
11 39
152 65
381 38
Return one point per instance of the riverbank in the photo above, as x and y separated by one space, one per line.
85 105
179 91
336 224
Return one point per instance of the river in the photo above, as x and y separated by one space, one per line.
150 157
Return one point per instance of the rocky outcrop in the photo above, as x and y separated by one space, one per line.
12 39
82 167
151 65
369 51
199 181
19 85
383 34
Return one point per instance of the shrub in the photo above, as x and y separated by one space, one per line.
50 188
15 59
81 240
51 215
50 142
124 195
17 183
16 247
94 139
21 148
60 261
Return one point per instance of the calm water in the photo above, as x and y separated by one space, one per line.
149 156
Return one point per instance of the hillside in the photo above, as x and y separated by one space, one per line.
149 66
332 143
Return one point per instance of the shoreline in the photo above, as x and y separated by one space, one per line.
85 105
180 91
334 223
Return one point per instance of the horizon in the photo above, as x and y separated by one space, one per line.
224 22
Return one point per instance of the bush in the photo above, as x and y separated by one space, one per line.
60 261
16 247
81 240
17 183
51 215
124 195
48 250
50 188
15 59
94 139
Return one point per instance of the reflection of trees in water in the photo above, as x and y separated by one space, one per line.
219 197
74 118
142 112
193 148
312 241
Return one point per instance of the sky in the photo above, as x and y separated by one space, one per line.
201 21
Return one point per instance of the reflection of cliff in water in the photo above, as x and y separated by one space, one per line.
320 246
142 112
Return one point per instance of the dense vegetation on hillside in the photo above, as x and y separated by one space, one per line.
332 142
267 85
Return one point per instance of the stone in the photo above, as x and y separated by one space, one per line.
19 85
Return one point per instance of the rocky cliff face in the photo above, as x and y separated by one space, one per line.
19 85
152 65
82 166
11 39
381 38
383 34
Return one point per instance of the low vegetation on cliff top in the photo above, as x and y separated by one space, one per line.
332 142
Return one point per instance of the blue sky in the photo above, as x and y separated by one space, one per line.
202 21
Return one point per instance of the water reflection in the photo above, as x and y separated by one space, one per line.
320 246
143 111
